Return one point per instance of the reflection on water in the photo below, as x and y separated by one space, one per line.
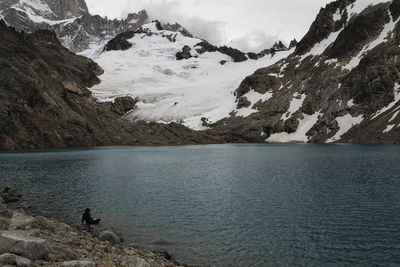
228 205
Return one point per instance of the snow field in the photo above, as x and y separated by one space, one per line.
174 91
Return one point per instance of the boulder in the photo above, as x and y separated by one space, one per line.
110 237
80 263
10 195
133 261
27 246
14 260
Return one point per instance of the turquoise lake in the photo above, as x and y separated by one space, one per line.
228 205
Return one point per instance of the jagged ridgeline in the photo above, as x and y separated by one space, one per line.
76 28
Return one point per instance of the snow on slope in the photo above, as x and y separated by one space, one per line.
170 90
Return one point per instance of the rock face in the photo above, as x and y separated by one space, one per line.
342 83
70 19
27 246
44 100
277 47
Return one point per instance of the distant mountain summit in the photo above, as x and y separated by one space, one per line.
76 28
34 10
277 47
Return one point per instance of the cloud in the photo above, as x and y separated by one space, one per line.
248 26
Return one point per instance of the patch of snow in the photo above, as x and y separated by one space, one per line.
295 105
331 61
358 6
320 47
394 116
305 125
253 97
345 123
350 103
392 104
382 38
388 128
337 16
174 91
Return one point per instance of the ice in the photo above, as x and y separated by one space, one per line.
170 90
345 123
305 125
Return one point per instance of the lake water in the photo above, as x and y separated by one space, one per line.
228 205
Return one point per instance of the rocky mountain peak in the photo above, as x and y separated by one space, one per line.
65 9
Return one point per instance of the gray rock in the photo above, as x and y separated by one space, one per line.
110 237
14 260
4 224
80 263
31 247
2 207
133 261
63 253
10 195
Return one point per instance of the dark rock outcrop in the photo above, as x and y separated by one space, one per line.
9 195
277 47
235 54
185 54
293 43
120 42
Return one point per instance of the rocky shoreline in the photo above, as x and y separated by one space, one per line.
27 239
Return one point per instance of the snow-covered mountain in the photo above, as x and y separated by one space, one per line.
76 28
341 83
171 90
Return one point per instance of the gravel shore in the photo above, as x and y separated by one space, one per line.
27 239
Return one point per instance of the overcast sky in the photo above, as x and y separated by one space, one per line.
250 25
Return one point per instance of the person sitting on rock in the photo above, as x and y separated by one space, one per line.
88 219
